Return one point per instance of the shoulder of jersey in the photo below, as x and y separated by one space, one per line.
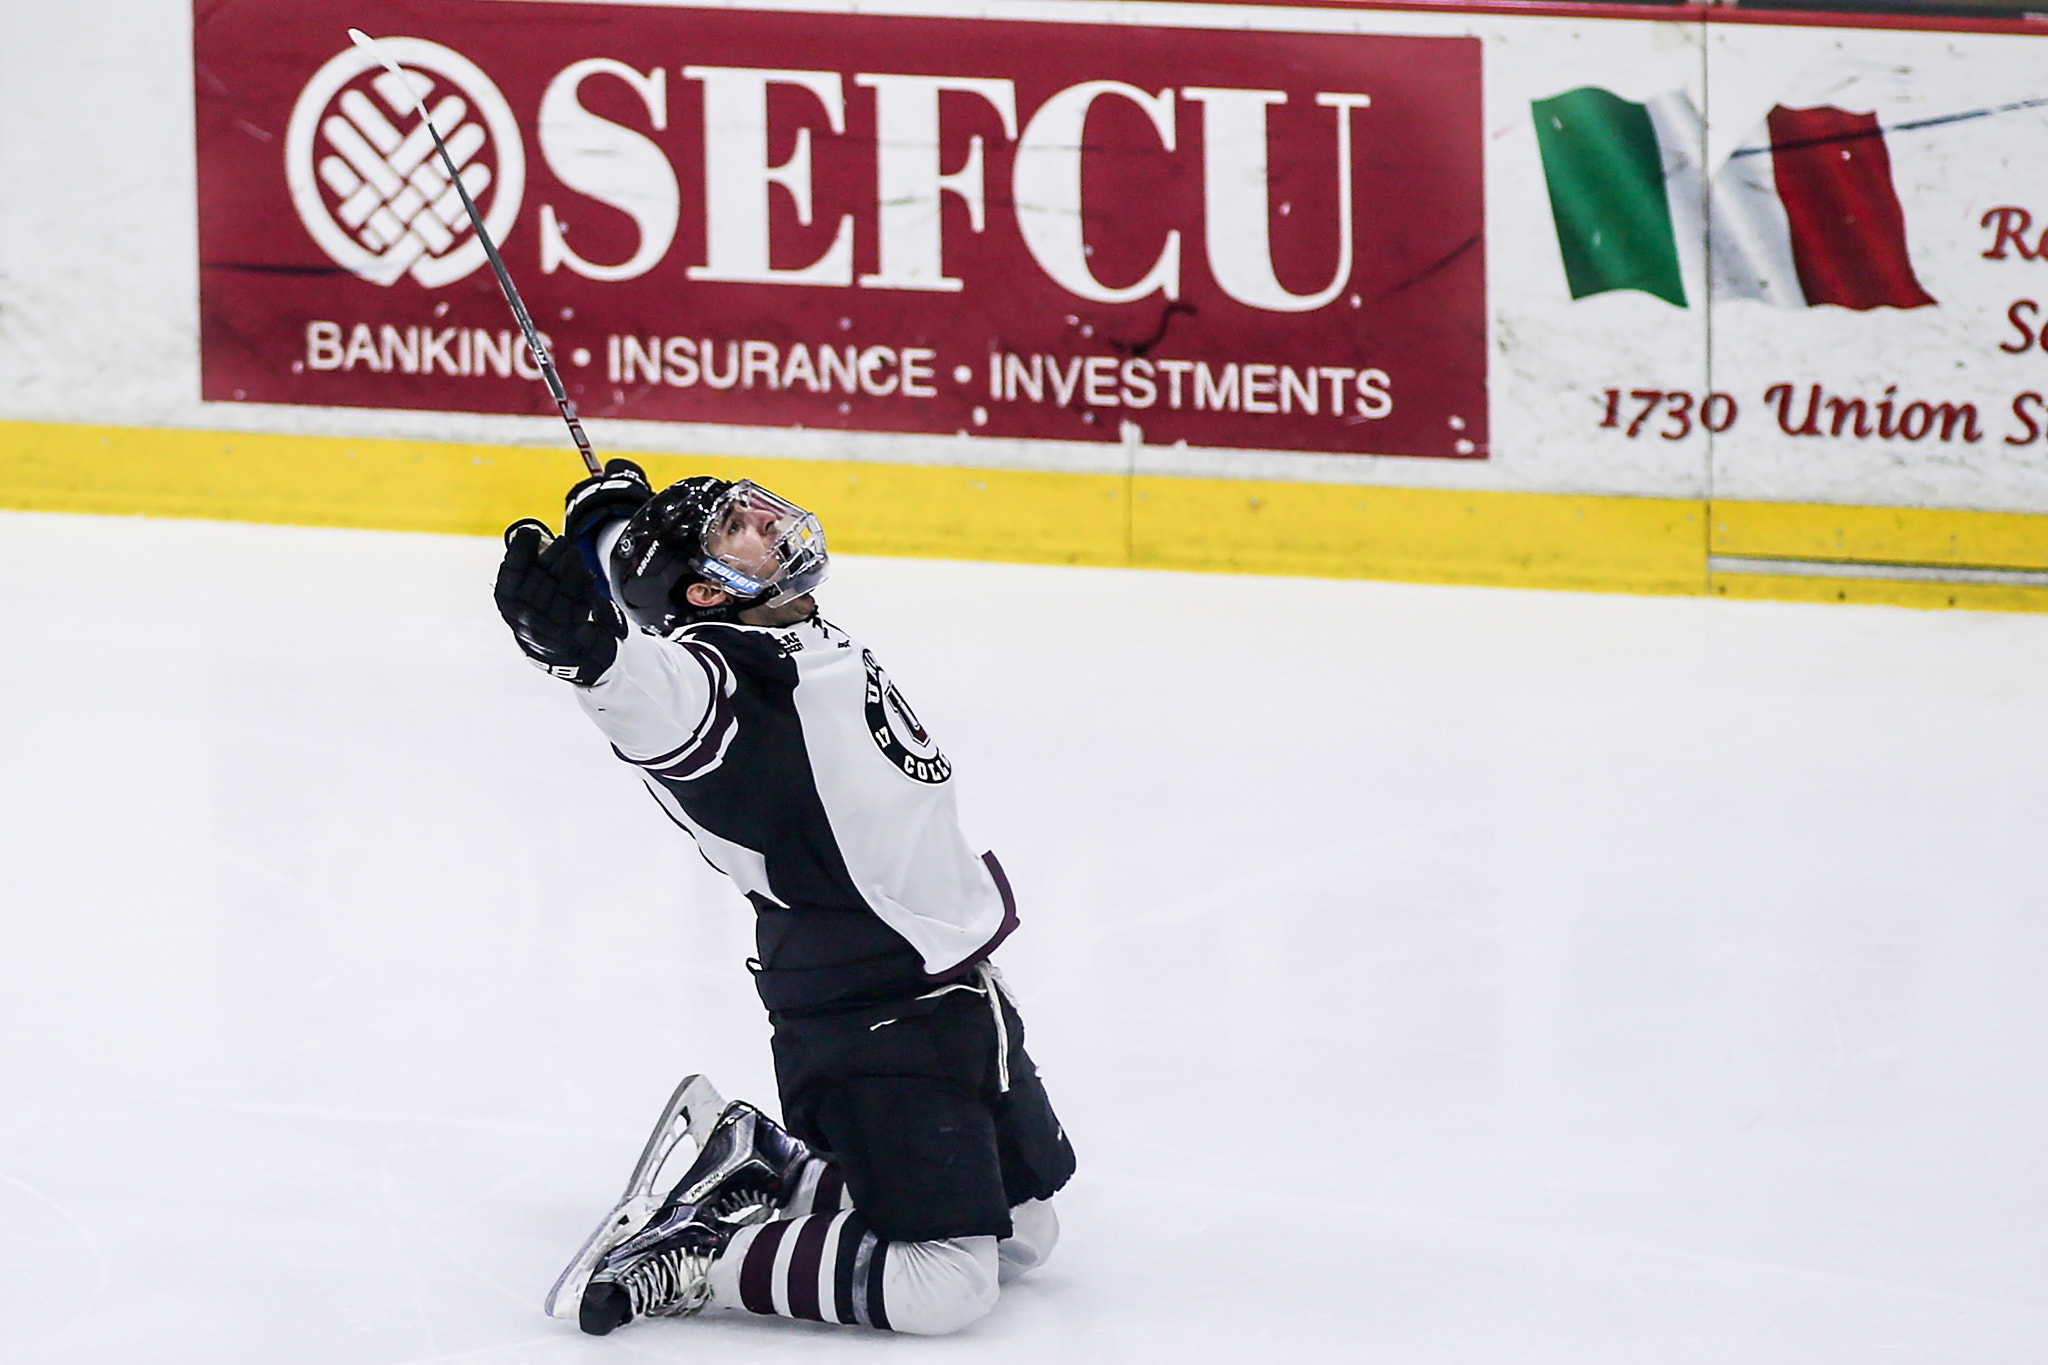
752 648
734 632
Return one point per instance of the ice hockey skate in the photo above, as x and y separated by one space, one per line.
692 1111
746 1165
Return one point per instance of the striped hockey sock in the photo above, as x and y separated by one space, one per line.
826 1267
820 1188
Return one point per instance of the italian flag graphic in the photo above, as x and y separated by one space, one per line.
1804 214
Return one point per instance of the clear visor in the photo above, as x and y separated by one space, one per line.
755 542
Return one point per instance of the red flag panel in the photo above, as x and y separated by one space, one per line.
1834 176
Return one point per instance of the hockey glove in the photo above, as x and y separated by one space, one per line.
604 498
546 594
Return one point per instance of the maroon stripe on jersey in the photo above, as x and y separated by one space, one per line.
757 1272
714 670
704 755
966 965
1009 924
690 757
803 1267
825 1198
702 750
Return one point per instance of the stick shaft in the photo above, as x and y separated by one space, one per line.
541 357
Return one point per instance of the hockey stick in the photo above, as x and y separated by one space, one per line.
533 341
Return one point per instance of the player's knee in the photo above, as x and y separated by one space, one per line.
933 1288
1035 1231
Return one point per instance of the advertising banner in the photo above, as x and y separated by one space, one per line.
1255 240
1825 292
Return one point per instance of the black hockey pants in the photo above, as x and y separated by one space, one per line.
936 1117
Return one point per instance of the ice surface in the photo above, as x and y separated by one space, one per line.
1425 974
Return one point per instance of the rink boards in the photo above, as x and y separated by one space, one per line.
1620 301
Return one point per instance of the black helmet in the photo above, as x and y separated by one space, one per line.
662 552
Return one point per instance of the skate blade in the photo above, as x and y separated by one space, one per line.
691 1112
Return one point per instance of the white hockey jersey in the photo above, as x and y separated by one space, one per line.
806 778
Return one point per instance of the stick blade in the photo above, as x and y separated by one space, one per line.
369 44
410 82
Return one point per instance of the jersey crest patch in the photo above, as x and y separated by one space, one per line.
897 731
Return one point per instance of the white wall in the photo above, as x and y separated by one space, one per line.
98 278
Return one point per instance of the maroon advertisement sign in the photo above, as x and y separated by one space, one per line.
1017 229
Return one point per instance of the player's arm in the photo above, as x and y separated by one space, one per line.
665 706
658 702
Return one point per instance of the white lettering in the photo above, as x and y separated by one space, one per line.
1139 390
1064 382
1100 373
496 350
873 361
1046 187
732 364
1014 376
798 366
642 358
434 347
1174 370
1338 375
1218 394
1256 387
1297 388
679 356
401 349
612 164
737 177
323 345
759 358
908 179
1259 381
1236 203
1374 399
831 363
917 373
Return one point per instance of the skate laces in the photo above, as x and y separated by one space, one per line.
670 1284
676 1281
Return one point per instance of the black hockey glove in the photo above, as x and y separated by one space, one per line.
546 594
604 498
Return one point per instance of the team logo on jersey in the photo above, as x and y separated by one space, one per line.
365 177
897 731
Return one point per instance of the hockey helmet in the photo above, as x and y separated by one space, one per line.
734 535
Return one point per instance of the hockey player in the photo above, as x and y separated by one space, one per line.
921 1150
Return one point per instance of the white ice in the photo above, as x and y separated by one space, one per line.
1425 974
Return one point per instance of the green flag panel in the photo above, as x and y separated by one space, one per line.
1606 181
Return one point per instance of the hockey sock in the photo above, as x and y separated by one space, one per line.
820 1188
832 1268
825 1267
